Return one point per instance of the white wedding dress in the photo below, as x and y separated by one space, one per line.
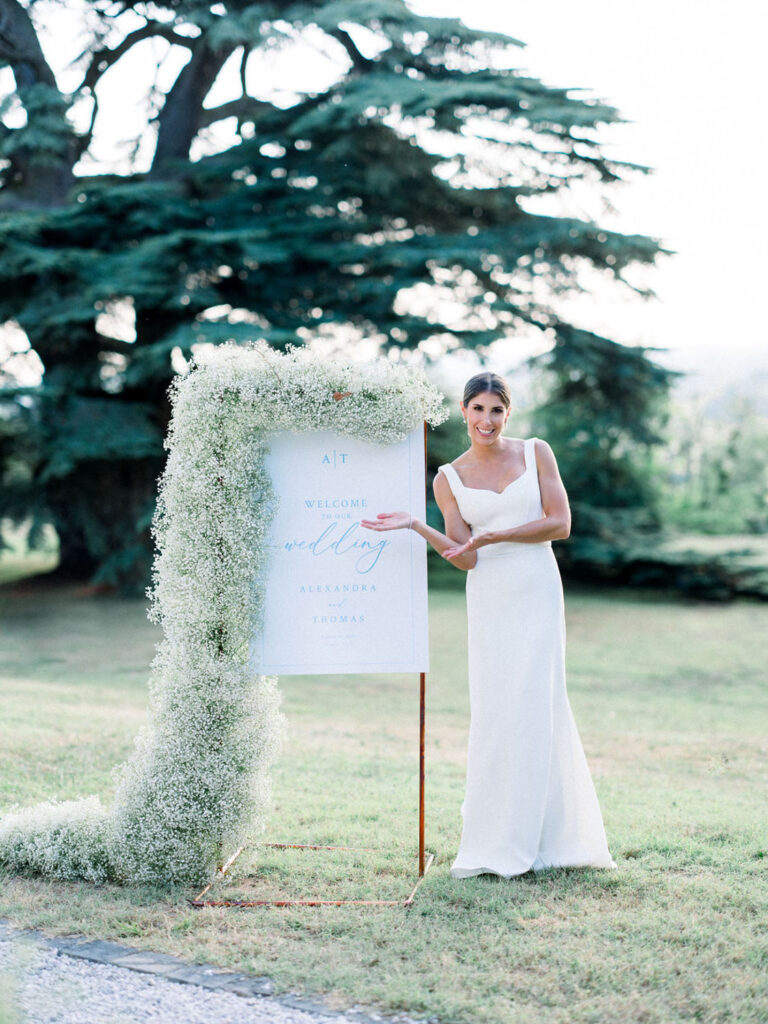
530 802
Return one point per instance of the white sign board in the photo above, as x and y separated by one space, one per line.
340 598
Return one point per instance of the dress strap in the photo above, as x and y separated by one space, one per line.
529 454
453 478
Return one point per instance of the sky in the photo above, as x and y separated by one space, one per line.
688 75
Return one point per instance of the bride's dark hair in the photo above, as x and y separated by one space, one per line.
487 382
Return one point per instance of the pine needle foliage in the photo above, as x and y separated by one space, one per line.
346 213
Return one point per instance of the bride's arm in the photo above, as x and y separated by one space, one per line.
556 522
457 530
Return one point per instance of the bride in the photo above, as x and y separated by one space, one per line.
530 802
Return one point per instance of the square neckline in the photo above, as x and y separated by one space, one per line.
490 490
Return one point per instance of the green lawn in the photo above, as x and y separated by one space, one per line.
673 710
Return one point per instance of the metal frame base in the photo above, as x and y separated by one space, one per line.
199 901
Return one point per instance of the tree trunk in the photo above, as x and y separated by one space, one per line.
179 120
101 512
34 180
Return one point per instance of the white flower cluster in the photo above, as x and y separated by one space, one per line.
73 839
197 786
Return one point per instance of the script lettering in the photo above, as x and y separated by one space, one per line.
329 542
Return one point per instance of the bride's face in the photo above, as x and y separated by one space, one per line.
485 417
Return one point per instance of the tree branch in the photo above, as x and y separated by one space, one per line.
246 108
243 68
103 59
359 62
20 47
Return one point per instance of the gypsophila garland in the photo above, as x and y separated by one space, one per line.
198 784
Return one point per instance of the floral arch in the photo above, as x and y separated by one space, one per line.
198 783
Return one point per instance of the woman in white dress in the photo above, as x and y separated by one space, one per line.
530 803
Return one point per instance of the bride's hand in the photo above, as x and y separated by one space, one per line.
388 521
460 549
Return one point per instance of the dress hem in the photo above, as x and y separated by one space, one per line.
473 872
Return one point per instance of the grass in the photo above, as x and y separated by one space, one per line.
673 711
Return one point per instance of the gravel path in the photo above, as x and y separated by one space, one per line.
41 984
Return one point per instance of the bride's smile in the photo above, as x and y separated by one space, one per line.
486 418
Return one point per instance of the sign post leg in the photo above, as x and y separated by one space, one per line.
422 701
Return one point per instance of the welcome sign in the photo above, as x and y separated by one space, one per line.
340 598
